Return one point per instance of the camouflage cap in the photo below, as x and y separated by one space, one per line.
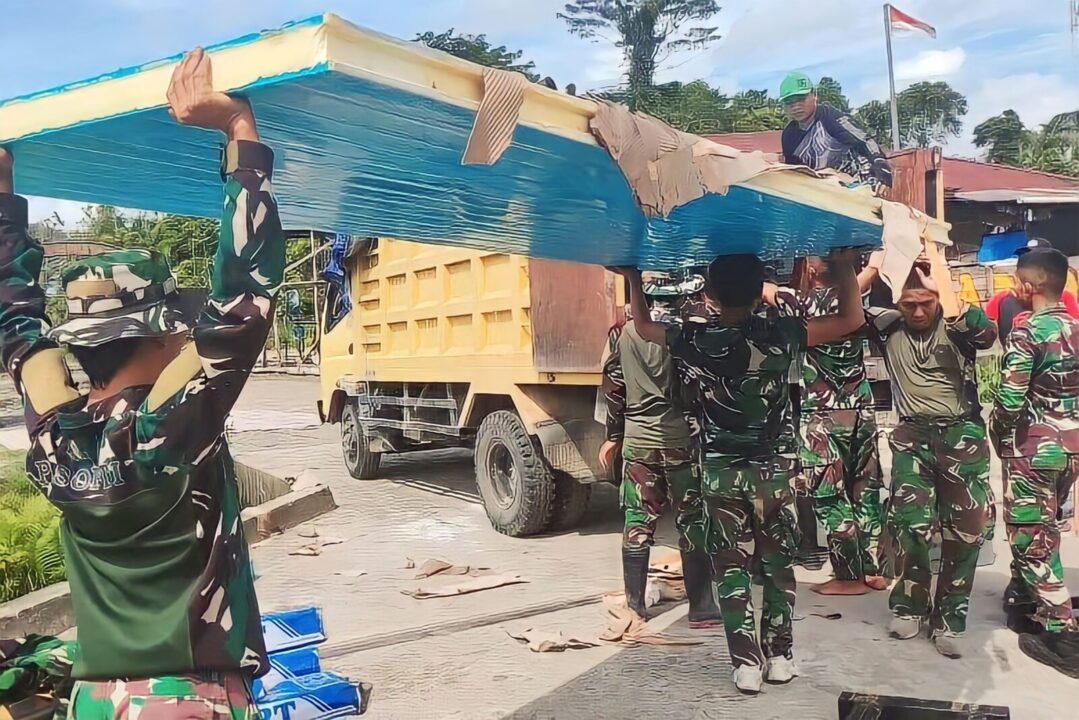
674 284
118 294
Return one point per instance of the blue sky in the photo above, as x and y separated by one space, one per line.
1000 53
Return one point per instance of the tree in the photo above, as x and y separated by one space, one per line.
929 113
830 91
1052 148
643 30
479 50
1002 135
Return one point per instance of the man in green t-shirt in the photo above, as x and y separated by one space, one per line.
940 456
660 459
161 583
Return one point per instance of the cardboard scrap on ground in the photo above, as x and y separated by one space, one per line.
482 580
317 542
628 628
546 641
435 566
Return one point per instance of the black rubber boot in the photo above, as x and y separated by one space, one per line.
697 575
1059 651
808 554
635 577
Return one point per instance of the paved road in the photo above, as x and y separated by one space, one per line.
451 658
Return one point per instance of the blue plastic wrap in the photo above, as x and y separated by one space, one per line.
287 665
365 158
293 629
313 697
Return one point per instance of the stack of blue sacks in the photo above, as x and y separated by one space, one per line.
296 688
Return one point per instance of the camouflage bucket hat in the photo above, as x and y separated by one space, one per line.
119 294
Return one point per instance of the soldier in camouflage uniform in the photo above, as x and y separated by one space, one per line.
139 468
839 443
1035 427
940 457
734 373
660 467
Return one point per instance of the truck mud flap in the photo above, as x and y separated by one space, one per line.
561 452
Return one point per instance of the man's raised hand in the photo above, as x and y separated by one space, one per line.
193 100
7 171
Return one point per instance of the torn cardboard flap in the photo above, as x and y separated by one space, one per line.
906 236
665 167
496 119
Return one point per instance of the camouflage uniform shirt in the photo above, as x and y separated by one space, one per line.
735 380
833 374
1037 408
155 553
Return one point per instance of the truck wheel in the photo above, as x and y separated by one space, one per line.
362 463
571 501
513 481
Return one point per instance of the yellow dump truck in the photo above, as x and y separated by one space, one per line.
448 347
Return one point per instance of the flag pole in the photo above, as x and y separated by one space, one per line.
891 76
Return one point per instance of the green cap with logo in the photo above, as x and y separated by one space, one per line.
119 294
795 85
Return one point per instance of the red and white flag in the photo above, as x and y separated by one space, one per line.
901 22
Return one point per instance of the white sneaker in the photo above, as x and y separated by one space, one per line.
947 644
748 679
904 628
780 670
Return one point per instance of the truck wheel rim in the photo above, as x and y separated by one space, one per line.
350 441
503 473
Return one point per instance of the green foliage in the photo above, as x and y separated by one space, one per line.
643 30
987 373
189 243
478 49
1001 136
1053 148
830 91
929 113
30 553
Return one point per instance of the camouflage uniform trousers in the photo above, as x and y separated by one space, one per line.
654 481
940 480
1033 497
213 696
842 471
750 508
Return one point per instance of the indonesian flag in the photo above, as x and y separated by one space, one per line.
901 22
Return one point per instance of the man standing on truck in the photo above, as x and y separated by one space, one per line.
734 372
1035 427
838 448
660 461
160 578
940 455
819 136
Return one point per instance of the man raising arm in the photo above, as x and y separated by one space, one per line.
139 468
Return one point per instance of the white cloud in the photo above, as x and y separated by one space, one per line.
931 64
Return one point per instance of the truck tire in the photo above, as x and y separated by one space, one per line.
362 463
571 501
513 481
